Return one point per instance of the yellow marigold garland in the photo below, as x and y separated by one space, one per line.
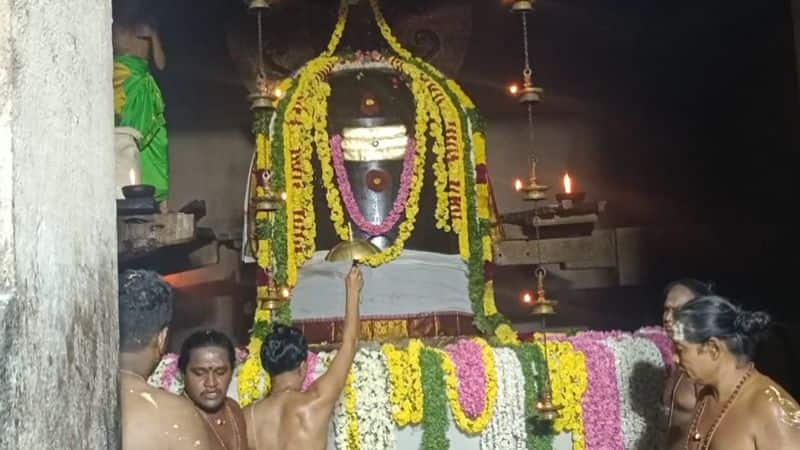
351 400
477 425
506 335
405 377
569 380
338 29
251 373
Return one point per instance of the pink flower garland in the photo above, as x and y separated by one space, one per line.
311 376
657 336
467 356
347 192
170 362
601 411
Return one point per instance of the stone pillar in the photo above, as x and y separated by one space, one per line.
58 302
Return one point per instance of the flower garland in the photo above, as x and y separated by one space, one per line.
167 376
311 370
254 382
405 375
345 418
659 338
471 372
347 192
472 417
569 380
638 361
434 418
601 411
506 430
373 409
534 371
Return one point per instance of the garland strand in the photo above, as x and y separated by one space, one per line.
434 419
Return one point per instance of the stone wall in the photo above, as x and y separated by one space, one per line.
58 307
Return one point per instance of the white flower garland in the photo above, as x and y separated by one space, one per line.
506 430
374 410
640 370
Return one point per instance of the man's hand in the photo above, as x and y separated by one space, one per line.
354 281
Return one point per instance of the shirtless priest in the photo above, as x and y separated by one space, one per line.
289 418
680 393
152 419
738 408
207 361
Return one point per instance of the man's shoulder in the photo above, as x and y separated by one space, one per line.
290 401
156 402
769 399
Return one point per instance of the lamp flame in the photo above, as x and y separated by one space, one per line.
527 298
517 185
567 184
132 176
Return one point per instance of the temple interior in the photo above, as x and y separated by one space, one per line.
679 117
518 180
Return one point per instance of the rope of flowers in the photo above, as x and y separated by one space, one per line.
506 429
471 383
405 382
346 190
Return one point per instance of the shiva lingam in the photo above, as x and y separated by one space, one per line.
542 308
370 160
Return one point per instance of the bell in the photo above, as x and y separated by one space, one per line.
530 94
275 298
260 101
267 203
545 408
352 250
522 6
544 308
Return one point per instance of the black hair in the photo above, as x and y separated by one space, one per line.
696 287
284 349
203 339
715 317
145 308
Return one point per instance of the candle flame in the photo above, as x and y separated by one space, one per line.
517 185
283 196
527 298
277 92
285 292
567 184
513 89
132 175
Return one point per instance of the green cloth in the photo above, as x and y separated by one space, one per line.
140 106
